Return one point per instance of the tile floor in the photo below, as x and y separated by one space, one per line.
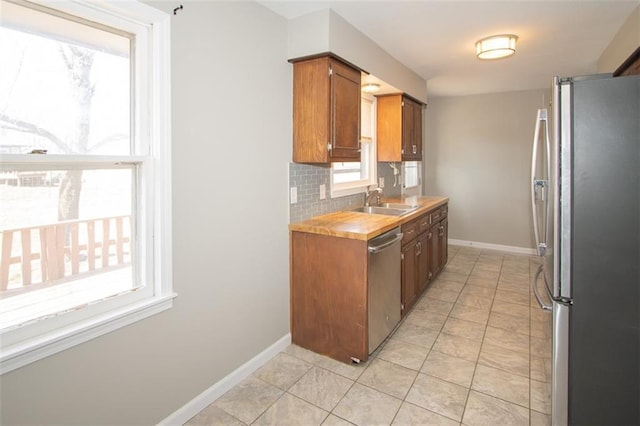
475 350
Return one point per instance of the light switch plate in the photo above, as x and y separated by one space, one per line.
294 195
323 192
381 182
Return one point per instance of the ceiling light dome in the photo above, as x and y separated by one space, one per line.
495 47
370 87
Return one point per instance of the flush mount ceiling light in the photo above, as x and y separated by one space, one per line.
495 47
370 87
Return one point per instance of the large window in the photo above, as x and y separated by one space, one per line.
354 177
84 172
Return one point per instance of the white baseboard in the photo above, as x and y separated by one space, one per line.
488 246
200 402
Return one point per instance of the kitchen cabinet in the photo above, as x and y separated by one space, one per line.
416 262
424 254
631 66
329 295
326 111
399 126
338 260
409 268
440 231
425 240
424 260
441 255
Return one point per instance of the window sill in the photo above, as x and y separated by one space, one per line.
354 188
21 354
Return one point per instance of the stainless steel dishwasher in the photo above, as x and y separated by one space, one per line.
384 286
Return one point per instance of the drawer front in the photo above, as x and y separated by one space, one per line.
436 215
410 231
424 222
444 210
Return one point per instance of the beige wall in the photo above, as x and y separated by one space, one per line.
624 43
478 153
231 144
326 31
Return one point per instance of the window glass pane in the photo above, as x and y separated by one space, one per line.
71 243
411 176
346 166
346 177
64 86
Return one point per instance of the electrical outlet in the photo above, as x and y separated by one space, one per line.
323 192
294 195
381 182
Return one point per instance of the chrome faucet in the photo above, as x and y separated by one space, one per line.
375 192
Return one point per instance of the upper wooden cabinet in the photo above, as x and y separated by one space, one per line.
631 66
326 111
399 126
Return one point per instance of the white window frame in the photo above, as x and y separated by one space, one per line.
34 341
414 189
368 151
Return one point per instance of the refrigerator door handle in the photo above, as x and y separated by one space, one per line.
536 291
538 188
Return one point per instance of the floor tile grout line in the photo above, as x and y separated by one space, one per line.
475 368
428 353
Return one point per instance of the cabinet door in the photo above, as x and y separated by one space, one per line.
425 241
443 246
411 130
409 277
389 127
407 129
311 111
417 130
435 250
345 112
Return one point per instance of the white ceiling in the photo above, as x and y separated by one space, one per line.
436 39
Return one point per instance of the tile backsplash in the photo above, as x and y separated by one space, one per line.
307 179
386 172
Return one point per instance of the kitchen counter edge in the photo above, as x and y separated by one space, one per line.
364 226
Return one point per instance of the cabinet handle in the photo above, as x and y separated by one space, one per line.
441 230
415 149
419 246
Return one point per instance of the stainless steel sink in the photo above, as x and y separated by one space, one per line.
386 210
399 206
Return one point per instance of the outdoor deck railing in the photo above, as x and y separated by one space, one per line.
63 250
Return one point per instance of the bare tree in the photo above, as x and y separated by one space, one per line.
79 62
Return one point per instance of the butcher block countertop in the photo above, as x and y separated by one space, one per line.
364 226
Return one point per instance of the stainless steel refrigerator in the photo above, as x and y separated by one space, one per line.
585 201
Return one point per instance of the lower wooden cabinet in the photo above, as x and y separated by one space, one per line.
409 279
329 295
442 246
424 254
424 260
329 290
